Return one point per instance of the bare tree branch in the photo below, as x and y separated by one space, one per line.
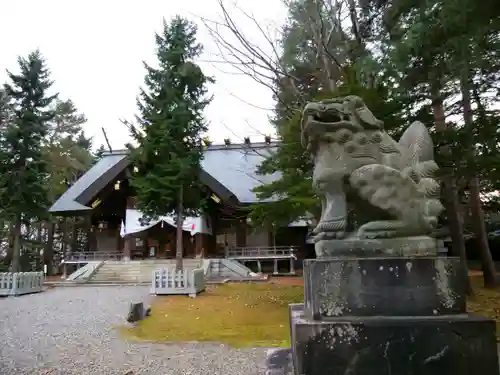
249 104
250 58
261 57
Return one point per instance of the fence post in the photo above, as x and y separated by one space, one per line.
153 281
15 284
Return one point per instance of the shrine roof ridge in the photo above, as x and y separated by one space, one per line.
214 147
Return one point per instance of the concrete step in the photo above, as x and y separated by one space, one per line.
117 283
136 272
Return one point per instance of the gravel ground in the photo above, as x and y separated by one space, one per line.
66 331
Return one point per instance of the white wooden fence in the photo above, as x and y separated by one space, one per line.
169 281
18 283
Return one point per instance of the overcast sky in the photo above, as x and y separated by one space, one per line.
95 50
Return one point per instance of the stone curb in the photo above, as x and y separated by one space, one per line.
76 284
67 284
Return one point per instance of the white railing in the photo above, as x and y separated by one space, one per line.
78 273
206 264
86 272
93 256
235 267
18 283
170 281
275 252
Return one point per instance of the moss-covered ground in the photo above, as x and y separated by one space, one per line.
251 314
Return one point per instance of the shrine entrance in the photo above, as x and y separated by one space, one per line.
155 242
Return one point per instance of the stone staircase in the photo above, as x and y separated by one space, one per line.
136 271
140 271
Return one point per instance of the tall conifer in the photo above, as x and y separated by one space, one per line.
23 168
169 129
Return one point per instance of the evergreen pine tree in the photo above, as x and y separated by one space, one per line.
67 149
170 129
444 51
23 169
300 60
5 109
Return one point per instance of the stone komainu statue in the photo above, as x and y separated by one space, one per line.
358 166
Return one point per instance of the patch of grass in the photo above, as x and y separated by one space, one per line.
244 314
485 302
239 314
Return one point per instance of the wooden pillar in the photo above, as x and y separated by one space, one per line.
145 245
93 242
127 243
201 245
74 235
198 245
189 247
119 240
241 234
88 232
162 243
211 244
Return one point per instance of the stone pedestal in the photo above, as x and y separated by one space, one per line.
402 247
388 316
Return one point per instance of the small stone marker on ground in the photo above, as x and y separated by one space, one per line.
279 362
137 312
378 299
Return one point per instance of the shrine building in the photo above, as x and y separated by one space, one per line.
103 200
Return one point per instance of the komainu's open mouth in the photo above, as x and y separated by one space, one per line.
330 116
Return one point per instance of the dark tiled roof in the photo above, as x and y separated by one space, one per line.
71 200
231 167
235 168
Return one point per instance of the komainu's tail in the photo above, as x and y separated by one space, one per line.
416 144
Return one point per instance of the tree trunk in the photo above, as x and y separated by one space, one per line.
179 248
26 260
10 245
48 252
451 201
15 264
39 246
355 28
88 233
489 272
